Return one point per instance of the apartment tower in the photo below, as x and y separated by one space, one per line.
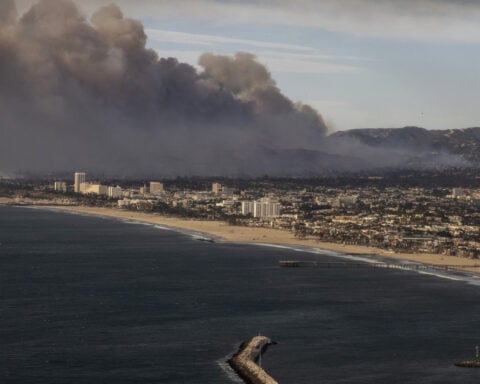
79 179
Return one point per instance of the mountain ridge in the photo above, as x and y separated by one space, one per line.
461 147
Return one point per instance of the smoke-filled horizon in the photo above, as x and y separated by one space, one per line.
88 94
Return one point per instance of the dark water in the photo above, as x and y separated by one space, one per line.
91 300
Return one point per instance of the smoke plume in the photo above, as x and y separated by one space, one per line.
88 94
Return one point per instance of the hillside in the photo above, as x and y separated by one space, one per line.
408 146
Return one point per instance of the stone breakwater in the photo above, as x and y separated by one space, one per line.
468 364
245 361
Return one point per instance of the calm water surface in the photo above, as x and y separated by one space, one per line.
92 300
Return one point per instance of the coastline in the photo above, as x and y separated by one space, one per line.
221 231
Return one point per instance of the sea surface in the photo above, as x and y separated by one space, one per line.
96 300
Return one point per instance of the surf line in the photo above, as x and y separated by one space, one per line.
244 362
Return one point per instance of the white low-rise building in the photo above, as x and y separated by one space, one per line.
156 187
114 192
60 186
94 189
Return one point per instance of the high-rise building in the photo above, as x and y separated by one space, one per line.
247 207
261 208
156 187
80 178
60 186
217 188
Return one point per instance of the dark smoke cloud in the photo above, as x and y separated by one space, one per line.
79 94
8 12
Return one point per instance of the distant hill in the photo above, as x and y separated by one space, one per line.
353 151
365 150
408 147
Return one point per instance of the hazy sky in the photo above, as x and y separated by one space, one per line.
361 63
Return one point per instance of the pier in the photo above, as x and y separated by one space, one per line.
351 264
245 361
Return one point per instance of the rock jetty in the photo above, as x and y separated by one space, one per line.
245 361
471 363
468 364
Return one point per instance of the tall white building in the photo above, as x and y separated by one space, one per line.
247 207
261 208
156 187
80 178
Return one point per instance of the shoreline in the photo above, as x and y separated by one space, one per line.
222 232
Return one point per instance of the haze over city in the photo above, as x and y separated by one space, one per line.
226 87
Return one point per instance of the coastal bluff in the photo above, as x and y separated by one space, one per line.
244 362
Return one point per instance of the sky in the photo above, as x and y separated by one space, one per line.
360 63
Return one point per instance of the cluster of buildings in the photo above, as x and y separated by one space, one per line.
428 220
84 187
87 188
219 199
432 220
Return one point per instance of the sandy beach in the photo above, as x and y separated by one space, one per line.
230 233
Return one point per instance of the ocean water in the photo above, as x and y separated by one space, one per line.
96 300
